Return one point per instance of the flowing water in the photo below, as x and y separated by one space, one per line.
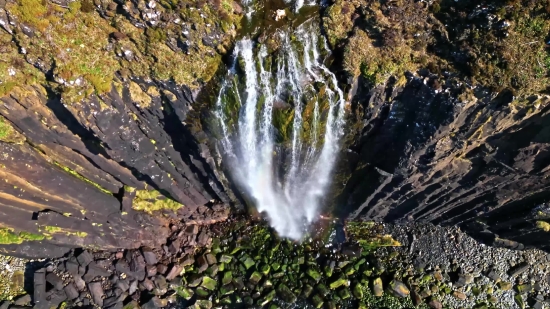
280 116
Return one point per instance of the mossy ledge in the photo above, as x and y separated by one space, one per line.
77 48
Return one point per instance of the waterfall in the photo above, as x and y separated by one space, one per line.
289 119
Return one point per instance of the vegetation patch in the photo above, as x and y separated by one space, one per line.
151 201
9 236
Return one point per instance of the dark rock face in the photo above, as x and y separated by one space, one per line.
135 138
423 155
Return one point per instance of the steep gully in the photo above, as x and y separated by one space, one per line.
419 155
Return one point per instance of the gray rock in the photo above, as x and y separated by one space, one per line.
80 284
39 286
398 288
70 291
518 270
5 304
23 300
174 272
133 287
123 285
84 258
149 256
435 304
155 303
96 290
54 280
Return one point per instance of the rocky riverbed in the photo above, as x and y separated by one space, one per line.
242 264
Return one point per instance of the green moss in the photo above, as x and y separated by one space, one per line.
8 236
79 176
151 201
369 235
50 230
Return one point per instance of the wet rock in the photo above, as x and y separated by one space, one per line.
317 301
149 256
353 250
286 294
225 258
155 303
54 280
204 304
255 278
209 283
202 263
185 293
96 290
342 281
267 299
211 259
227 277
398 288
84 258
315 275
357 291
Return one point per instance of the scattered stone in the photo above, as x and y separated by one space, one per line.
493 275
317 301
321 288
416 299
22 300
209 283
518 270
54 280
72 267
505 286
377 287
313 274
459 295
39 286
151 270
71 291
255 277
185 293
435 304
5 304
149 256
225 258
286 294
519 301
94 271
524 288
174 272
398 288
96 290
358 291
202 263
84 258
211 259
342 281
464 279
155 303
248 262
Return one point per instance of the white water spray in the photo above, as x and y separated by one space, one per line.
285 174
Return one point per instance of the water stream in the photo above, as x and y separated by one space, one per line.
289 110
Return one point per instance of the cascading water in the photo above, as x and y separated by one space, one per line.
290 119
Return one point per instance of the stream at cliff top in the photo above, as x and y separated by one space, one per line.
280 115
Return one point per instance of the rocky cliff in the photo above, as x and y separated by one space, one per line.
96 147
102 139
452 135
